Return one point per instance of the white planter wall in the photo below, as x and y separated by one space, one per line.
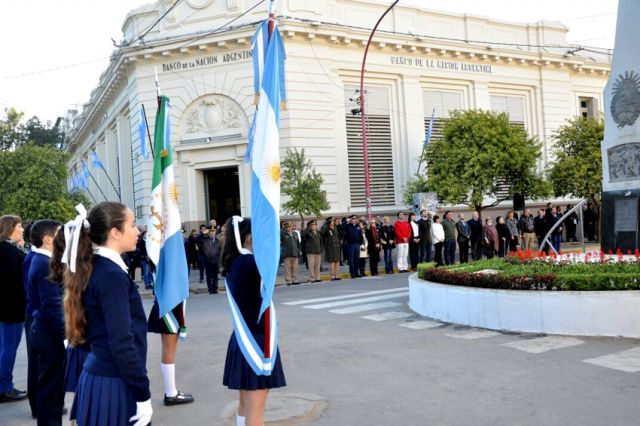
596 313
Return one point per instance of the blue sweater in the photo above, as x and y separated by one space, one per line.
26 264
45 297
116 327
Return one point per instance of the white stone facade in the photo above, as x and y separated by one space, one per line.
419 61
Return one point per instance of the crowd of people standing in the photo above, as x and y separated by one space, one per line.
428 237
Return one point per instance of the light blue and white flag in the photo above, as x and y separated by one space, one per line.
264 151
95 161
84 174
259 44
142 131
427 139
265 165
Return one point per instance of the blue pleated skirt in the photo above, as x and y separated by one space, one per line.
103 401
238 374
76 356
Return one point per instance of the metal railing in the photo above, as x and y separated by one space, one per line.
578 208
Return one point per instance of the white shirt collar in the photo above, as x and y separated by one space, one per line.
41 251
112 256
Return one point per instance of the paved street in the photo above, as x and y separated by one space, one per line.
357 345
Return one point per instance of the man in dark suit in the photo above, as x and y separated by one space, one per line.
475 225
354 238
210 248
464 234
424 231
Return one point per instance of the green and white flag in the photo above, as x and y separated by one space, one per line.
165 245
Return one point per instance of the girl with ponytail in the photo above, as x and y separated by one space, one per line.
103 308
242 281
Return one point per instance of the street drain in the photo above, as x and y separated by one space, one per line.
284 409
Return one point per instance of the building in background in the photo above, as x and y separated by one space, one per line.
420 60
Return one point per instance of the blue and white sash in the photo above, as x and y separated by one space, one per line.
250 349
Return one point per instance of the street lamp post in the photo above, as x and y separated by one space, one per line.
362 111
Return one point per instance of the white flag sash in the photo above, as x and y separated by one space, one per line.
253 354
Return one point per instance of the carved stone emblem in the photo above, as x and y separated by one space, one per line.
199 4
624 162
213 114
625 104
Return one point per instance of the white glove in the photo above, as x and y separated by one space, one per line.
143 413
66 343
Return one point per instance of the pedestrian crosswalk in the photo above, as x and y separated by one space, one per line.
391 306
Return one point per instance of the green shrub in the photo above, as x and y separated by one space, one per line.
537 275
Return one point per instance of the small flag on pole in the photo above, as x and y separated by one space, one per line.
142 131
95 161
427 139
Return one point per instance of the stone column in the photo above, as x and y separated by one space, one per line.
620 225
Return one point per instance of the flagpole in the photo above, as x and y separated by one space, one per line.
94 181
111 182
367 184
144 111
158 95
267 312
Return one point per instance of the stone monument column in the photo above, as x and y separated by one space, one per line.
620 227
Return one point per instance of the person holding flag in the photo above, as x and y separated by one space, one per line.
251 256
165 249
246 370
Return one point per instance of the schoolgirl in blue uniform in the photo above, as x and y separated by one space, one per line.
75 355
47 331
243 281
103 307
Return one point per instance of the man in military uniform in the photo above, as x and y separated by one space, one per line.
354 238
313 248
332 239
290 247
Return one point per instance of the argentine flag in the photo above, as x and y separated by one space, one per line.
265 198
265 166
164 230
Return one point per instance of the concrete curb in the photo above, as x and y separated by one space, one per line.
575 313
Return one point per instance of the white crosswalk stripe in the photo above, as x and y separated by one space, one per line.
543 344
421 325
346 296
628 361
358 301
363 308
388 316
473 334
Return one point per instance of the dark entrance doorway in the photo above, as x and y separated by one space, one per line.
222 191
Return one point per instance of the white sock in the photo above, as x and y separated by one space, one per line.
169 376
240 421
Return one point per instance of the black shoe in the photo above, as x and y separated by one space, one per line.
317 281
338 279
13 395
180 398
295 283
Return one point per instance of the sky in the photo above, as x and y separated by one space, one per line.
54 51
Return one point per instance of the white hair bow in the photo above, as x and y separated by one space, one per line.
236 232
72 237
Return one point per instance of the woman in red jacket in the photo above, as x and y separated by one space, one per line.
403 234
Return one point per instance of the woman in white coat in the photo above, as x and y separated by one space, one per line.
437 238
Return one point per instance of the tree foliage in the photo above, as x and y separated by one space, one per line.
14 133
11 131
303 185
479 152
34 184
577 169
